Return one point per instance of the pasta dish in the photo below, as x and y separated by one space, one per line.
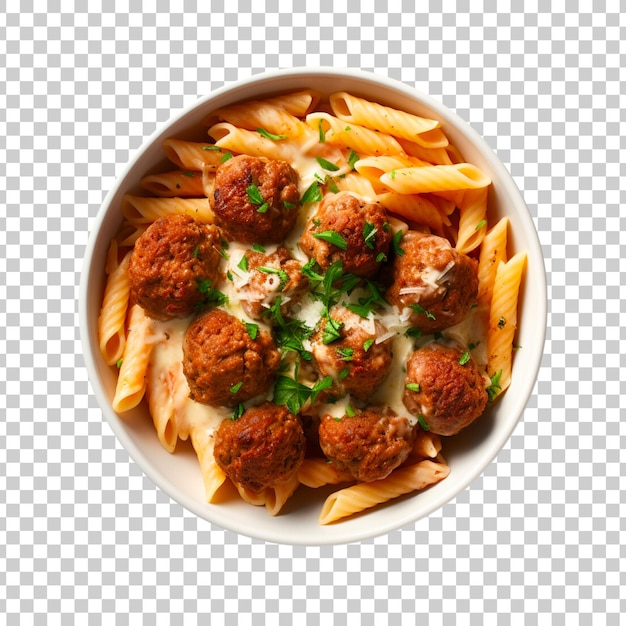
315 295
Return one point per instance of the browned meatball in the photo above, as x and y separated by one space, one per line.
173 265
223 364
363 231
435 281
271 276
445 387
346 349
370 444
255 200
263 448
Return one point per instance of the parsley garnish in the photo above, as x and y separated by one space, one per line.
239 410
312 194
423 423
327 165
253 329
343 373
119 363
226 156
465 357
480 224
268 135
495 388
235 388
366 305
195 252
395 243
350 412
213 296
418 308
345 354
257 247
367 344
353 158
215 148
293 394
413 332
255 197
381 257
413 387
369 234
321 132
243 264
284 277
333 238
332 331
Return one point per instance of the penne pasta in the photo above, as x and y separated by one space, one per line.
195 156
299 103
111 330
414 208
139 210
435 178
212 475
317 472
378 117
362 496
160 400
503 319
492 252
472 219
177 183
131 382
358 138
277 496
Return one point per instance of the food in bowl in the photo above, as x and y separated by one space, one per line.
315 295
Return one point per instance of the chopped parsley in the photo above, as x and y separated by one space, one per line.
350 412
413 332
369 235
413 387
212 295
255 197
327 165
481 224
243 264
284 277
332 237
423 423
365 306
322 134
226 156
119 363
395 243
268 135
235 388
343 373
367 344
195 252
239 410
312 194
418 308
381 257
332 331
257 247
353 158
465 357
345 354
253 329
293 394
214 148
495 388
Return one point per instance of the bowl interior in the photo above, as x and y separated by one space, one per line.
467 454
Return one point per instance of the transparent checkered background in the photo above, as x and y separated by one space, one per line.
537 539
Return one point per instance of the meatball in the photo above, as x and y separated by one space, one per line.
435 281
345 348
370 444
254 199
362 225
445 388
271 276
173 265
262 448
223 364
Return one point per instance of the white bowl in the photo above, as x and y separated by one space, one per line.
468 455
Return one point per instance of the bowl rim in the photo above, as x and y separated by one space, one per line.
523 391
